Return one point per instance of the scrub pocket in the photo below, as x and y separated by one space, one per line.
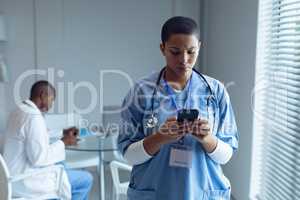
135 194
216 195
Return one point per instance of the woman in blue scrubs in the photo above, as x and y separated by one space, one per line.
178 160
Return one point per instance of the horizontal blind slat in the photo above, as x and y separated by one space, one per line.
277 100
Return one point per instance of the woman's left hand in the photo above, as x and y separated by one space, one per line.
200 129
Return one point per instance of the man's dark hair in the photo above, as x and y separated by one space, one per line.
179 25
41 86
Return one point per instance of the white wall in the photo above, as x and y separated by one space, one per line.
82 37
2 109
230 42
18 49
2 98
18 52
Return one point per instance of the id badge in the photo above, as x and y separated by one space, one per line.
180 156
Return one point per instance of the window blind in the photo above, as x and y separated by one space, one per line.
275 173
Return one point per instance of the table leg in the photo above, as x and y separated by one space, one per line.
101 178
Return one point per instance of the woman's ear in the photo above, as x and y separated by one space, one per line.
162 48
199 47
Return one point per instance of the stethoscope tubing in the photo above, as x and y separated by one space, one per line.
158 81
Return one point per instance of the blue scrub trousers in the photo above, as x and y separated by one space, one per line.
81 183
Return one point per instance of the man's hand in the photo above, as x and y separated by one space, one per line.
71 131
70 136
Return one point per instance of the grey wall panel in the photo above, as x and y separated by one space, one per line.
19 51
230 57
84 38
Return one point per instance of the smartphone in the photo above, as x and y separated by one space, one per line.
187 115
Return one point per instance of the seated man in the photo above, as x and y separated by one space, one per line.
27 147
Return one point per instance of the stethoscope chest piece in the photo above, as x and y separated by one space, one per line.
152 121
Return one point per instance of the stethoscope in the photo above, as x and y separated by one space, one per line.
152 121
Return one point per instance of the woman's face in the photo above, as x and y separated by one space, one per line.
181 52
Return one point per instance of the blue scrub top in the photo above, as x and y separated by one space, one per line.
155 178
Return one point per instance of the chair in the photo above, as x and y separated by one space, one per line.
6 181
74 159
119 187
114 159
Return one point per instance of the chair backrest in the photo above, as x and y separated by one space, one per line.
5 185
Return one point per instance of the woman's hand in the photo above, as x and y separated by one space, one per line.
170 131
202 131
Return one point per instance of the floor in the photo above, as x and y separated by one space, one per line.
108 186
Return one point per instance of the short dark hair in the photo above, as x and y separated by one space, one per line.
179 25
40 86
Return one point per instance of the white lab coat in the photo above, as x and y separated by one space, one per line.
27 148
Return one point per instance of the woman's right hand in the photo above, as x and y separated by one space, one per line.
172 131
